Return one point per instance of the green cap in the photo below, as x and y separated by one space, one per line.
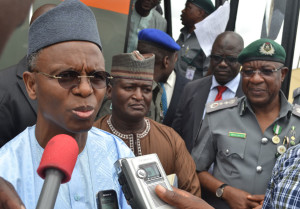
206 5
263 49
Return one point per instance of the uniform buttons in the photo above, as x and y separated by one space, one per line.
264 140
259 169
76 197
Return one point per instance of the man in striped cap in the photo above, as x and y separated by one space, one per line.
131 94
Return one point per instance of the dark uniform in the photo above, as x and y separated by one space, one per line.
191 57
243 156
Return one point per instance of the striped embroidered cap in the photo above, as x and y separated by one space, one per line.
133 66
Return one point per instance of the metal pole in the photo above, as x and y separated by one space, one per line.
168 16
289 38
131 7
234 4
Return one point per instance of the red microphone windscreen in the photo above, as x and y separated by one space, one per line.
60 153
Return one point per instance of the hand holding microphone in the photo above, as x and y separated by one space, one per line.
56 167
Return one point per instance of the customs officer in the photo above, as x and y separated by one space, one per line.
243 137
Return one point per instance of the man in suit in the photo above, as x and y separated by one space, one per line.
170 82
196 94
17 110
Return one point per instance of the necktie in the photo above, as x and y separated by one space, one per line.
164 100
221 89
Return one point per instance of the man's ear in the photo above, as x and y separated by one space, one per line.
166 62
30 83
284 72
201 14
108 91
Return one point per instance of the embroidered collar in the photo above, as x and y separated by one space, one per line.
130 136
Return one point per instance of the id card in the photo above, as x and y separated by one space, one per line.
190 72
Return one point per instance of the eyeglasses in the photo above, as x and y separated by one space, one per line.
70 79
264 72
228 59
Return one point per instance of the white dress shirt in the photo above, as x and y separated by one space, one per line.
169 86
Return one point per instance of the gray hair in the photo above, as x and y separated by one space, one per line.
31 60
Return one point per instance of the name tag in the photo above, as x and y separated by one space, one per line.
237 135
190 72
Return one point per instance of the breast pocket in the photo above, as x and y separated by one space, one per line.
231 153
230 147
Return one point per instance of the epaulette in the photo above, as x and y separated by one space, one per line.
296 92
296 110
222 104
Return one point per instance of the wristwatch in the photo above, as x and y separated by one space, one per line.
220 190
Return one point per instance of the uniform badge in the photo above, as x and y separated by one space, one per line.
237 135
214 105
281 149
277 130
221 104
293 134
296 110
267 49
275 139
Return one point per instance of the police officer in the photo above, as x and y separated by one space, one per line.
243 137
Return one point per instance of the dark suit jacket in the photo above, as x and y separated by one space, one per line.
178 88
17 110
189 114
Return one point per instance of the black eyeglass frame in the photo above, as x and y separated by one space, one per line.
228 59
65 85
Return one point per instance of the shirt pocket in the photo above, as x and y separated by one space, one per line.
231 153
231 147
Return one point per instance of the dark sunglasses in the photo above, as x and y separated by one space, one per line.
228 59
70 79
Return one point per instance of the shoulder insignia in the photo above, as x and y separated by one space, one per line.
296 92
296 110
222 104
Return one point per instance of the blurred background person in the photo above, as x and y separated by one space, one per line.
192 62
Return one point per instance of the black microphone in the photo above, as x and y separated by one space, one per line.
56 167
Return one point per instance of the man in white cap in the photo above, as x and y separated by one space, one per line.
67 78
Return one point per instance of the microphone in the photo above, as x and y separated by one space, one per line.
56 167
